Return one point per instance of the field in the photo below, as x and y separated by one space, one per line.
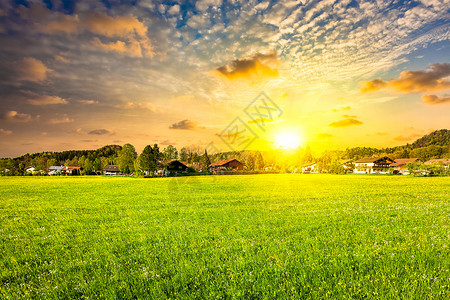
250 236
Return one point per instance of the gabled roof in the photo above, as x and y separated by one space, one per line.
68 168
436 160
56 168
223 162
403 161
372 159
111 168
309 164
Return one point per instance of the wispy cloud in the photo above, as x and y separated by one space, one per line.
47 100
346 123
407 138
5 132
99 132
64 118
184 124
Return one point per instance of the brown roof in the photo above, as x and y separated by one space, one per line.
371 159
436 160
403 161
68 168
223 162
111 168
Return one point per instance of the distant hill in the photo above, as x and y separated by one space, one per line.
436 138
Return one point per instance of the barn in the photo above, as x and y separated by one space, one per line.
111 170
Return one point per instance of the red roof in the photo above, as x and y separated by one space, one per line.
71 168
223 162
403 161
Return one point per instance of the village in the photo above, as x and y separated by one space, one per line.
365 165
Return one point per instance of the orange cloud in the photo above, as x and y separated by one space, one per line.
120 26
31 69
255 68
14 116
435 100
260 120
341 108
133 47
346 123
5 132
433 79
47 100
64 23
62 119
348 116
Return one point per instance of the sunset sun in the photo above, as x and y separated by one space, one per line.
288 140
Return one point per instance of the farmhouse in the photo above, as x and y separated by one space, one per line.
370 165
64 171
30 169
310 168
348 165
71 170
174 167
443 161
228 164
111 170
400 165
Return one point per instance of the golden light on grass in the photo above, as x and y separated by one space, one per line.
288 140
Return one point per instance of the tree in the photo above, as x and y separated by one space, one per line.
184 154
147 160
127 157
259 161
170 152
250 163
205 161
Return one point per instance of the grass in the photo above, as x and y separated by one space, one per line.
255 236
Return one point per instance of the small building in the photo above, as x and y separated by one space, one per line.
400 165
310 168
227 164
71 170
111 170
30 169
443 161
56 170
373 165
348 165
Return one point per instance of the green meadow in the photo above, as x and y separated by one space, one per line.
250 236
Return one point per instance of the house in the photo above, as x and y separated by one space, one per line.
30 169
174 167
400 165
227 164
55 170
348 165
444 161
310 168
111 170
371 165
71 170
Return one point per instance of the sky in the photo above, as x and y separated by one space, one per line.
222 75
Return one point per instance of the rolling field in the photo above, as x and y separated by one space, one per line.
250 236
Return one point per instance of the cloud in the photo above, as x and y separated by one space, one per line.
256 68
184 124
167 142
432 79
90 102
61 119
47 100
381 133
349 116
62 59
407 138
5 132
341 108
136 105
14 116
260 120
99 132
128 28
323 136
346 123
435 100
31 69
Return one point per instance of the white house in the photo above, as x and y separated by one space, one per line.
373 165
30 169
310 168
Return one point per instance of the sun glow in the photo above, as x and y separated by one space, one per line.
288 140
